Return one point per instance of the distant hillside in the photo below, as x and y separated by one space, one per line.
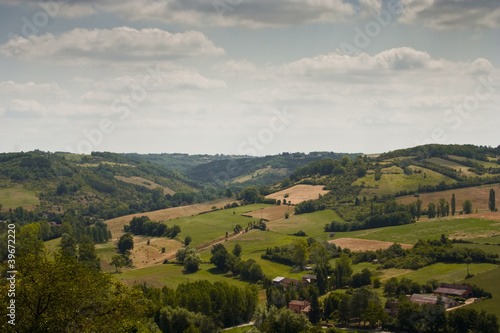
244 171
412 171
100 185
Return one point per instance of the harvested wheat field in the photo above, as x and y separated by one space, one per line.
360 245
479 196
298 193
116 224
145 182
488 216
143 255
271 213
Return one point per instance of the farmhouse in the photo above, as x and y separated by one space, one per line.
277 280
455 290
300 307
422 299
308 279
285 282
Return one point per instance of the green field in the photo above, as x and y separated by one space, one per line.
13 197
448 273
433 229
488 281
204 228
483 163
393 183
171 275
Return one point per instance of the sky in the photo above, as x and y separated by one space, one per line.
248 77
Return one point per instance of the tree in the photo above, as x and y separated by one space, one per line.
322 279
187 240
62 295
467 206
462 320
237 229
491 202
442 207
468 261
359 302
453 204
237 249
374 314
342 271
28 240
125 243
189 257
315 313
250 195
486 323
419 208
408 314
281 321
319 255
68 245
174 231
118 261
87 255
299 252
219 256
431 210
192 262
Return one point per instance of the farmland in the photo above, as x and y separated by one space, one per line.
391 183
116 224
489 281
140 181
299 193
469 228
478 195
360 245
13 197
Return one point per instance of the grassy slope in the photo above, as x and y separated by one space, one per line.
393 183
13 197
427 229
489 281
171 275
207 227
479 195
447 272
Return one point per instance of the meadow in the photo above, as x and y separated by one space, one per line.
466 228
391 183
488 281
479 195
12 197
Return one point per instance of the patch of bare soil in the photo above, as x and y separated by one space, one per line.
360 245
299 193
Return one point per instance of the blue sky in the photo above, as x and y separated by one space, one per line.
247 76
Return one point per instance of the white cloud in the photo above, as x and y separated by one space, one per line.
117 45
236 68
246 13
13 89
334 64
56 8
28 107
251 14
451 14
